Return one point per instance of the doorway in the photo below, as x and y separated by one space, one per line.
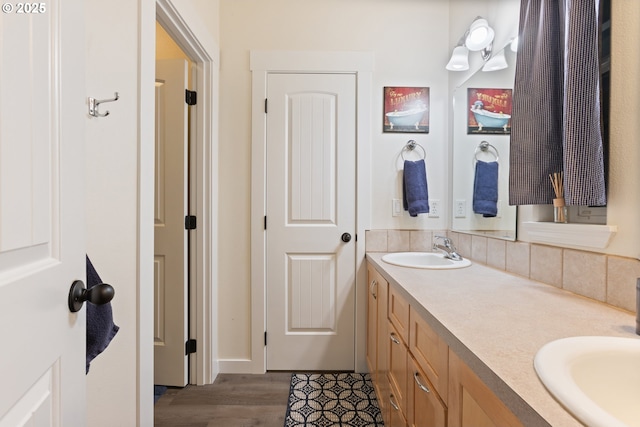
203 54
171 210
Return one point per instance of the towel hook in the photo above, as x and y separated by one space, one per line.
485 147
410 146
94 103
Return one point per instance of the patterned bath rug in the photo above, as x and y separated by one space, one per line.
332 399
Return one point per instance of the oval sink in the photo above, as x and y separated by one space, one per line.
597 379
430 260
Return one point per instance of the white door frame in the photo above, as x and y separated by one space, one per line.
198 44
205 53
262 63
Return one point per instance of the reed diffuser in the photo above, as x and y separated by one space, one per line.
559 208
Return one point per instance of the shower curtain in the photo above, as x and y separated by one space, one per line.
555 124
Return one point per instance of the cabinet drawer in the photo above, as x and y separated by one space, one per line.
396 417
425 408
398 368
399 313
430 351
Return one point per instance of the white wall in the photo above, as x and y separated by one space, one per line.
409 41
112 176
119 227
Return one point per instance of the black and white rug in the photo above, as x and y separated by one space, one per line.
332 399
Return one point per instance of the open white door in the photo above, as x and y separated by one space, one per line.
43 109
311 221
171 254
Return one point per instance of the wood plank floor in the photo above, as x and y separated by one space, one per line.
233 400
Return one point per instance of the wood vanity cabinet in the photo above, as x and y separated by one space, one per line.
425 407
471 402
377 341
398 370
372 321
419 381
431 353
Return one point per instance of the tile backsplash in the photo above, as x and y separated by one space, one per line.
606 278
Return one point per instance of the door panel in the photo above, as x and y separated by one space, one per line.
42 251
310 203
171 252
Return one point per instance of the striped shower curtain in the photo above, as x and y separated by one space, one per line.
556 104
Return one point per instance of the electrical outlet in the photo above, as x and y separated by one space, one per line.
434 208
396 207
461 208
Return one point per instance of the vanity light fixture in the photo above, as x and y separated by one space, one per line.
514 44
497 62
479 37
459 59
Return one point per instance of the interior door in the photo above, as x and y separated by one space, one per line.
311 145
171 251
43 108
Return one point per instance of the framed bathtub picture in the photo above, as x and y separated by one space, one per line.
489 111
406 109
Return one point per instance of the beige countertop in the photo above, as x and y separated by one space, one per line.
496 322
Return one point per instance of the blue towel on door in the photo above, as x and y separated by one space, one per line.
415 194
485 189
100 326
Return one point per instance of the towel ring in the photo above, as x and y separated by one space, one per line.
485 147
410 146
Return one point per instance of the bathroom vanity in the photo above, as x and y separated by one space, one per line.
456 347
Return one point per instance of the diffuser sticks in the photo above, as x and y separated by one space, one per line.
559 208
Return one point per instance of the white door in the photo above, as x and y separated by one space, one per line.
171 255
43 108
311 147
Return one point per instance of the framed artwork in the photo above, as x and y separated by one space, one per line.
489 111
406 109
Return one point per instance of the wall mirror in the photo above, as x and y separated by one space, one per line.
483 134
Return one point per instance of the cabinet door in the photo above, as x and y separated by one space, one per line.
372 321
425 408
471 402
382 385
430 351
399 313
398 368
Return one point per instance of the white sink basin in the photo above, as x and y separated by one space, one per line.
597 379
430 260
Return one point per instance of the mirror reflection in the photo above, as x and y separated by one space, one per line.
481 129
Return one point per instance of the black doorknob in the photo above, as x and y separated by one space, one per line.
346 237
98 295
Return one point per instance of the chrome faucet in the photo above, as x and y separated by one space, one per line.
448 248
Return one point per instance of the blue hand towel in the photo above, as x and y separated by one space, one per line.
100 326
415 194
485 189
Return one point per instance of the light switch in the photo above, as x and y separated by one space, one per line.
461 208
434 208
396 207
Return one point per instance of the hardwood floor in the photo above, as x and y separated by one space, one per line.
233 400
